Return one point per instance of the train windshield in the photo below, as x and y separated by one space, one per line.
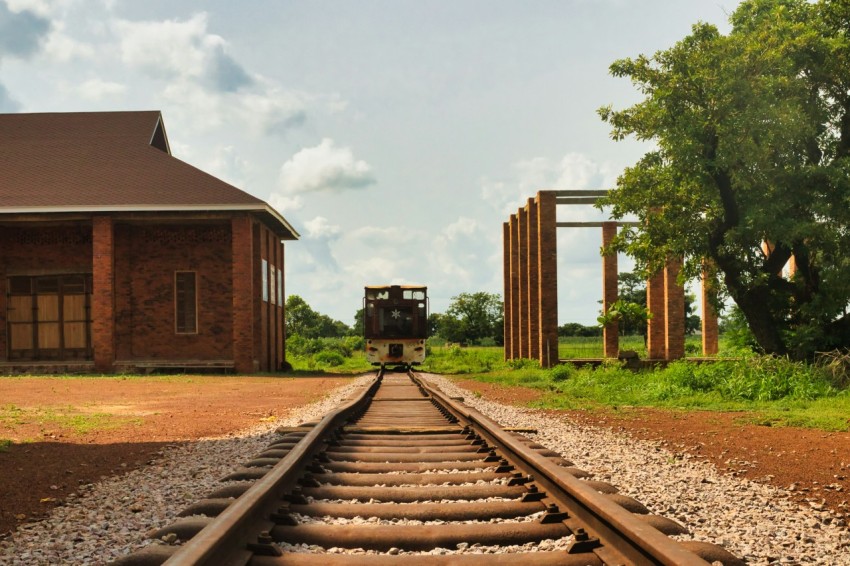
395 321
376 295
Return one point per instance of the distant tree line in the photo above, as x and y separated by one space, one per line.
478 318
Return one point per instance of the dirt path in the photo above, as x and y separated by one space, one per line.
72 431
814 464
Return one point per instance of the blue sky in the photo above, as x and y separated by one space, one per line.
396 136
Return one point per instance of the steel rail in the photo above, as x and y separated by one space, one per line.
226 539
624 538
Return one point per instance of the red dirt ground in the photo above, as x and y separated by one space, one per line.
815 464
48 461
53 461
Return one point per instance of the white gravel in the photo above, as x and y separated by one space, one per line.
759 523
109 519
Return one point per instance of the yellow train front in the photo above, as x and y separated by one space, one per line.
396 322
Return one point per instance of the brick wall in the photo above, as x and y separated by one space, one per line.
533 282
710 328
147 257
506 280
675 310
656 340
609 290
242 297
103 298
547 246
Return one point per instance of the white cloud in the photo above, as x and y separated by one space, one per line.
200 78
324 167
98 89
22 32
458 252
285 204
573 171
320 228
175 49
228 165
63 48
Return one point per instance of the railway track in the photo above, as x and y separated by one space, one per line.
411 476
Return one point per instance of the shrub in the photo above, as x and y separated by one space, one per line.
329 358
522 363
354 343
562 372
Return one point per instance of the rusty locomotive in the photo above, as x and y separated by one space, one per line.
396 324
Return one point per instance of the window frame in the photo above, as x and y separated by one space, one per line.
177 303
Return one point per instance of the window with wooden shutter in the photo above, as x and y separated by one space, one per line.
185 302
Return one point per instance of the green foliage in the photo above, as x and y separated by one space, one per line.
773 390
737 332
5 443
329 358
302 320
471 318
751 143
628 315
522 363
575 329
459 360
562 372
299 346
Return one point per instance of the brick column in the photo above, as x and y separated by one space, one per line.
103 293
514 352
547 253
506 277
675 310
243 294
609 290
656 343
533 283
710 329
524 323
4 245
283 305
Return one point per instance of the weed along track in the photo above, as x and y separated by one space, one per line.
407 475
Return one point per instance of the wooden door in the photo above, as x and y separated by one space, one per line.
49 317
20 312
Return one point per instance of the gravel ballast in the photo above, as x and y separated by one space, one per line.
762 524
759 523
109 519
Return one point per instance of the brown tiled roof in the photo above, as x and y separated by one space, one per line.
106 161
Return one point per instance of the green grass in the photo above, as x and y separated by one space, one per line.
311 363
5 443
579 347
767 391
66 418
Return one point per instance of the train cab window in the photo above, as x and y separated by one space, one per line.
396 322
414 294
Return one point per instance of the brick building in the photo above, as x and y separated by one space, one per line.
116 255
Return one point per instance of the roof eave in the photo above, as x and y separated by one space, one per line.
287 232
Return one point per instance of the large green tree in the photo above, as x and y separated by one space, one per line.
471 317
751 144
302 320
